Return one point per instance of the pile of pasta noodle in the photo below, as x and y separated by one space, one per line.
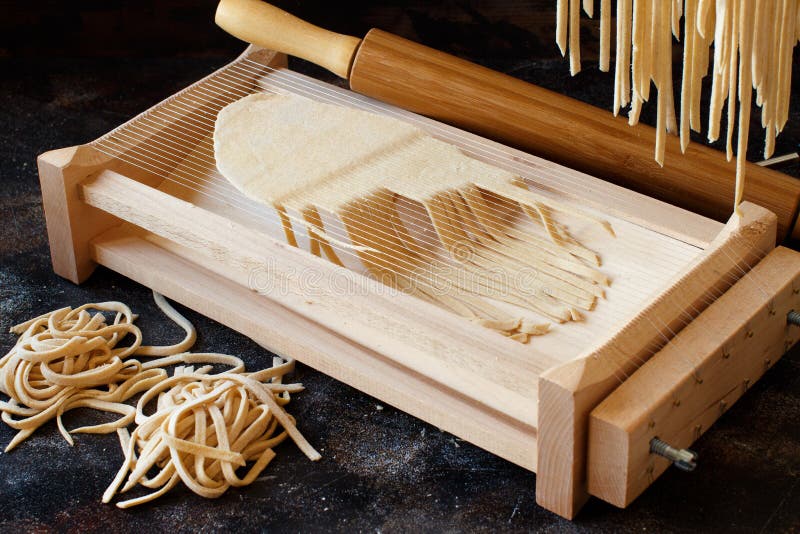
204 428
72 358
753 45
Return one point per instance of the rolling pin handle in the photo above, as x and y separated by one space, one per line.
683 459
267 26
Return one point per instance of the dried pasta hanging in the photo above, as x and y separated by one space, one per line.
753 45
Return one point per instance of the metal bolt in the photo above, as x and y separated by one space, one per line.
697 378
683 459
793 317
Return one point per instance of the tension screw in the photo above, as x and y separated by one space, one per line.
683 459
793 317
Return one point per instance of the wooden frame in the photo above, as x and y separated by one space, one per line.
525 405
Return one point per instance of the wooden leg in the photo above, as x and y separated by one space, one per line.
71 224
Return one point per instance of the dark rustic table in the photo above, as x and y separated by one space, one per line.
382 470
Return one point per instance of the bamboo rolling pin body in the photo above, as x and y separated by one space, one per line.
556 127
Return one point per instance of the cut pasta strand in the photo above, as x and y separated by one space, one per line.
204 428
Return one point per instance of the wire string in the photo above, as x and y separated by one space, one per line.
175 161
210 157
209 116
681 259
181 122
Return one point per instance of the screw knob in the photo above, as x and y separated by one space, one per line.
683 459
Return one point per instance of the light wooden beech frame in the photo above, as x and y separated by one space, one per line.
570 422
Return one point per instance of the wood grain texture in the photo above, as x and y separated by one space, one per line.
699 374
561 129
567 394
176 273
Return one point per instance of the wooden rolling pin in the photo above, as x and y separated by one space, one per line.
553 126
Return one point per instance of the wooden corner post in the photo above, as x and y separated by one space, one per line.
71 224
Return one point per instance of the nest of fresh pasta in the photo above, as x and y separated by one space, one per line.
208 428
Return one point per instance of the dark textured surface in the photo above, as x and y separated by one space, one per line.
382 470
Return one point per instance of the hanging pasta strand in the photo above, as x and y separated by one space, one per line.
677 13
663 75
745 94
621 80
605 35
562 19
718 88
574 37
753 42
732 85
688 77
788 40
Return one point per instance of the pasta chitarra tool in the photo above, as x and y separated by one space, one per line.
500 107
695 313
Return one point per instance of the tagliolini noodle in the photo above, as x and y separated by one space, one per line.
204 428
69 358
753 46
